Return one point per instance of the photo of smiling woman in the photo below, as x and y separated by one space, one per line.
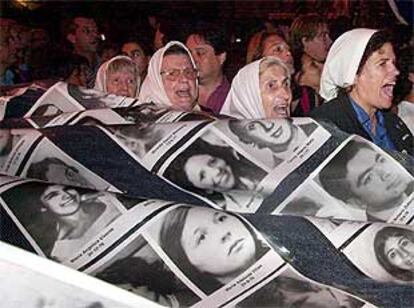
394 249
279 136
214 172
61 219
209 246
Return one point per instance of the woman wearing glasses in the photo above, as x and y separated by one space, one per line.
172 78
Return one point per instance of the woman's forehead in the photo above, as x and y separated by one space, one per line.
176 60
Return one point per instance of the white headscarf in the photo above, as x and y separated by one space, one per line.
244 100
102 75
152 89
342 62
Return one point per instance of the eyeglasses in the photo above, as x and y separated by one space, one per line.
174 74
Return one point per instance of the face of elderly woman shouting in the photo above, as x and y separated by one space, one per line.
261 89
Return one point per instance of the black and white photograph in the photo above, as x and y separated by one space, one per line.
59 219
46 110
366 178
142 112
210 247
53 102
48 163
384 252
94 99
311 200
290 289
8 139
139 138
106 116
220 174
274 140
137 268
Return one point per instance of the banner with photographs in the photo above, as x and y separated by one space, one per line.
187 210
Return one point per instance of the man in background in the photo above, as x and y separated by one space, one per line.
82 33
208 44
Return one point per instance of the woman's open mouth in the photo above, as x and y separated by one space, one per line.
282 110
388 89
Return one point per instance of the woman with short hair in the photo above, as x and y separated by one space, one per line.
394 249
358 80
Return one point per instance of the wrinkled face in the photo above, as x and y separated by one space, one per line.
123 83
61 201
399 251
375 83
275 92
318 47
60 173
209 172
276 135
137 54
182 89
208 63
86 35
374 180
217 243
276 46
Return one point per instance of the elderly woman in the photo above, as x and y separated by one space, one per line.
261 89
171 81
358 81
119 76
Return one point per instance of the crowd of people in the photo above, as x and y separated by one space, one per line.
362 82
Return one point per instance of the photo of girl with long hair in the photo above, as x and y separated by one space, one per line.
138 269
394 250
219 174
210 247
139 138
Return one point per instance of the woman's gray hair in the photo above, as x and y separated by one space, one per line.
270 61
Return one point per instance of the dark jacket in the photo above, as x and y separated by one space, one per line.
342 114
